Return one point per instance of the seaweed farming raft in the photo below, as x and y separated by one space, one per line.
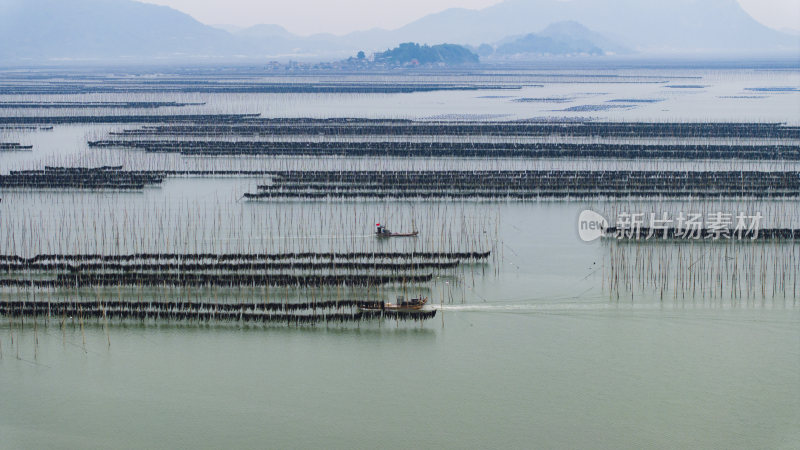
397 127
231 87
323 312
231 270
80 178
14 147
210 258
210 280
527 185
94 105
458 149
153 118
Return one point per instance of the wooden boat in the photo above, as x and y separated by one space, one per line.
390 234
413 304
383 232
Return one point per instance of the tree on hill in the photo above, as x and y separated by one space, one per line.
411 52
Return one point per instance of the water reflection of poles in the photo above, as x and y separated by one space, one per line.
442 302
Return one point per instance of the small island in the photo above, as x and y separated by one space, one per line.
411 54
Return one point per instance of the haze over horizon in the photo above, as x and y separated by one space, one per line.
360 15
46 31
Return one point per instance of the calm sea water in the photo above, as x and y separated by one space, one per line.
529 350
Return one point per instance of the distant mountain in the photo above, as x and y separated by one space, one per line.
276 40
655 26
232 29
411 53
534 44
572 31
36 30
265 31
111 31
562 38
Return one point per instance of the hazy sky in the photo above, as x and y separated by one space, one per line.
314 16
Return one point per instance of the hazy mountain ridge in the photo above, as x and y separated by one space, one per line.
35 30
41 31
678 26
561 38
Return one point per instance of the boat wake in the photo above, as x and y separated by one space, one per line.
524 307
